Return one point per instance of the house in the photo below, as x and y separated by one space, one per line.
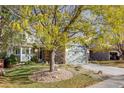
74 54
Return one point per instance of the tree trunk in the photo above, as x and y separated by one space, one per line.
122 55
120 49
52 62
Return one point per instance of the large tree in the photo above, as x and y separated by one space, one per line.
55 26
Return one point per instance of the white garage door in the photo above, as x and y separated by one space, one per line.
76 55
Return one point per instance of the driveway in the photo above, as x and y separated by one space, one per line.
107 70
116 75
113 82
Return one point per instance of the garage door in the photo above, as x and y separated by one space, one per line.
76 55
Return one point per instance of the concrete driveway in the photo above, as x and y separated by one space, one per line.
107 70
116 75
113 82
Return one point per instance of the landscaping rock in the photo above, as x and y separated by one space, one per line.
46 76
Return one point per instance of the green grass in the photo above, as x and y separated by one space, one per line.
18 77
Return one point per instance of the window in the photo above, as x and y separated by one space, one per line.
25 51
17 51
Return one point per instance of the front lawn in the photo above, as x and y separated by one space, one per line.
18 77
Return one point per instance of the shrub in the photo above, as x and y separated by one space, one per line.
34 59
29 62
12 60
2 55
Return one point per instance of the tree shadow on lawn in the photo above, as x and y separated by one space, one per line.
21 78
20 75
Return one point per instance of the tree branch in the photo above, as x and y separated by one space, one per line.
78 12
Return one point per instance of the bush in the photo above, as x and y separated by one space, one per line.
34 59
12 60
29 62
2 55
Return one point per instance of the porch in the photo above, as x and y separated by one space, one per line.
26 53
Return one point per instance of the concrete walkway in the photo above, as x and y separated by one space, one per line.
116 79
107 70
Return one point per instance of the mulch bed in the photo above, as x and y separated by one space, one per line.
46 76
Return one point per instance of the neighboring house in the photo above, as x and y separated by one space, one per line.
103 56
